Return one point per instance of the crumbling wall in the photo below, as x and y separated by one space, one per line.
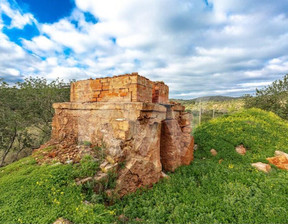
160 93
148 137
122 88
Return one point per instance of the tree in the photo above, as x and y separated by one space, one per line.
271 98
26 113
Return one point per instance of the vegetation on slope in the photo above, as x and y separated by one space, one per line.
260 131
224 188
30 193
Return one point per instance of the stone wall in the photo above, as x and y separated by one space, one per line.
140 129
122 88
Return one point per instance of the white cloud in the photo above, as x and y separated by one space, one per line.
12 71
18 19
41 45
254 84
228 47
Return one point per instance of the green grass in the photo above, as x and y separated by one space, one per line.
209 192
30 193
204 192
230 192
259 131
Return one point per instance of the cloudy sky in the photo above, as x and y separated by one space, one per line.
197 47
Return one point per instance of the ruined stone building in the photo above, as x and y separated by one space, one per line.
131 118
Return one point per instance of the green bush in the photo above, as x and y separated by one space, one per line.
271 98
259 131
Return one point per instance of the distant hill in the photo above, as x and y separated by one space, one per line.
208 98
215 98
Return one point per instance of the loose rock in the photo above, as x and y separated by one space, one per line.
262 166
62 221
280 153
240 149
280 161
213 152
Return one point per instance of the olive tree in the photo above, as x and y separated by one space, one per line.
271 98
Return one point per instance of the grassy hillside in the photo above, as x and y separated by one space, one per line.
220 189
30 193
224 188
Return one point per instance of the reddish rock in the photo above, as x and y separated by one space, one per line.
280 161
170 145
188 153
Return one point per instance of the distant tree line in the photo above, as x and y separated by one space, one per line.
26 113
271 98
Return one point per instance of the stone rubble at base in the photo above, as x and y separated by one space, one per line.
131 118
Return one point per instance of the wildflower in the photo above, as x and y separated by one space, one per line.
112 212
231 166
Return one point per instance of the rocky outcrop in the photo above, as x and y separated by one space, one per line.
130 118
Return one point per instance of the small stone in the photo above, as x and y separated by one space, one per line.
213 152
104 164
87 202
69 161
122 218
240 149
164 175
111 167
262 167
83 181
110 159
62 221
100 176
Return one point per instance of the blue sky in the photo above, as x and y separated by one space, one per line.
197 47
